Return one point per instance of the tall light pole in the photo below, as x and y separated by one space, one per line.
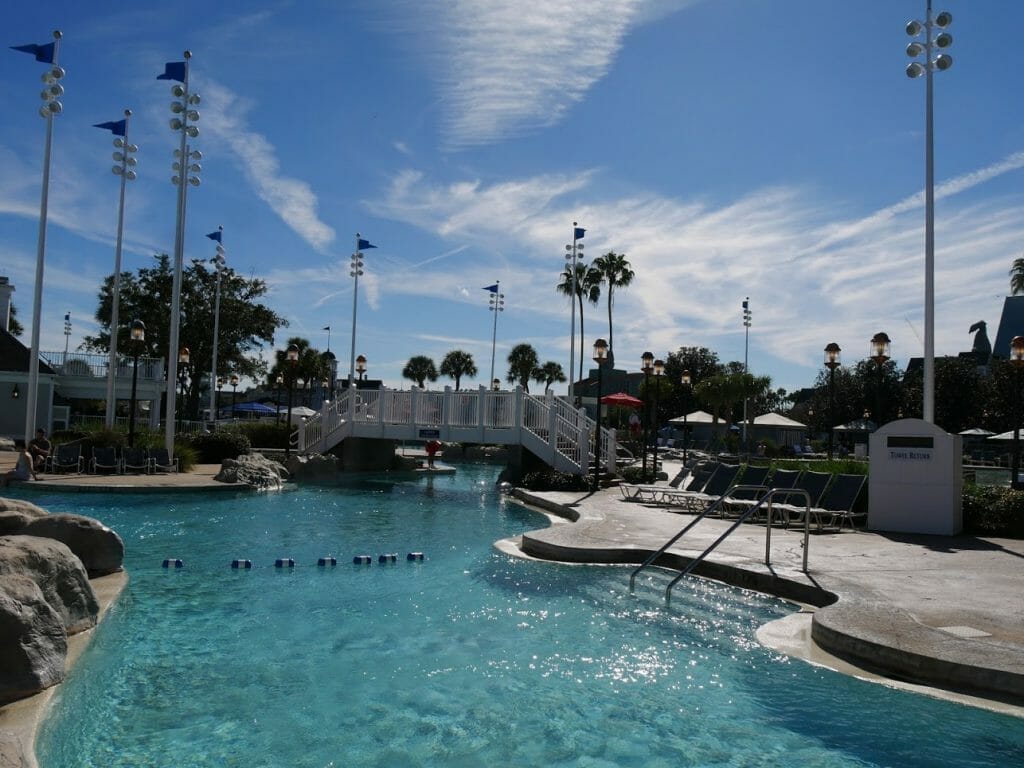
47 54
496 304
137 335
880 353
685 380
1017 359
67 334
124 169
278 381
219 266
647 367
831 362
747 316
600 355
186 163
291 359
659 371
915 69
234 393
354 272
573 250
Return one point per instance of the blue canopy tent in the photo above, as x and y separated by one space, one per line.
250 409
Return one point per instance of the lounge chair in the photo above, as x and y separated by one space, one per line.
717 486
652 491
67 458
160 461
738 501
135 460
782 479
795 505
837 502
104 459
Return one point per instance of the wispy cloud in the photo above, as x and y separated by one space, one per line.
291 199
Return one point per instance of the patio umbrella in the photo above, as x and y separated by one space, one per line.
257 408
976 432
621 398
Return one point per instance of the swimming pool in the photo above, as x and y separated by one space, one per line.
469 658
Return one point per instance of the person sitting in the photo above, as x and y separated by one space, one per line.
40 450
23 469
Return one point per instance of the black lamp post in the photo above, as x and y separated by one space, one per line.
880 348
600 355
361 367
685 381
1017 359
659 371
292 359
220 386
234 393
831 362
184 369
279 381
647 366
137 335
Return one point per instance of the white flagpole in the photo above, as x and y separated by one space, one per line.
116 288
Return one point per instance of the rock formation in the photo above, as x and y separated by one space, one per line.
252 469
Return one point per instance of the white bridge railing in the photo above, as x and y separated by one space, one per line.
548 426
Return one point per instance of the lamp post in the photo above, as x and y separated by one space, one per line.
124 169
355 271
747 317
880 349
278 381
496 304
184 368
647 366
361 367
1017 359
67 333
495 384
659 371
915 69
185 165
219 266
137 335
220 385
572 251
600 355
47 54
291 360
685 380
831 362
234 393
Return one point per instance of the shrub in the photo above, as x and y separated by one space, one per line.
993 511
263 434
214 447
554 481
635 475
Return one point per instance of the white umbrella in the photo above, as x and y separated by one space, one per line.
299 410
976 432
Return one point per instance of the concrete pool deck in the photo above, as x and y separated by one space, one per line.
943 611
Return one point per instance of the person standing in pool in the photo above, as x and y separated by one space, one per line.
433 446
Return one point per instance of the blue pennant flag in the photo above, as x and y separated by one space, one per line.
44 53
173 70
326 328
577 233
117 127
491 288
216 236
364 244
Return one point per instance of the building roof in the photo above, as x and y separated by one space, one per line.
777 420
15 356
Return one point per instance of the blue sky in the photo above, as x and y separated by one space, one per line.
729 148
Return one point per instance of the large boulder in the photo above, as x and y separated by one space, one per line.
252 469
58 573
315 467
98 547
33 643
15 514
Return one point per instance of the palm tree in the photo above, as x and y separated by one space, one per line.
522 362
588 285
548 374
419 369
615 270
1017 276
457 364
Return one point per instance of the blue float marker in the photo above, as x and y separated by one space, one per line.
173 562
414 556
284 562
387 558
327 561
362 560
241 563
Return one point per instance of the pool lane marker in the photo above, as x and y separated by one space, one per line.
173 562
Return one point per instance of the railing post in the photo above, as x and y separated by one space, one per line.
481 410
446 407
517 414
549 402
414 403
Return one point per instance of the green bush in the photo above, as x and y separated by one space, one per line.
214 447
635 475
554 481
993 511
263 434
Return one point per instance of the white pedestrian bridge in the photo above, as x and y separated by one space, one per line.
549 427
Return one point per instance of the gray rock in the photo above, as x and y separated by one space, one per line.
98 547
15 514
33 643
57 572
252 469
6 444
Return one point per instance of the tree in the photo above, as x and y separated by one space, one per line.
1017 276
522 362
457 364
419 369
588 285
245 324
548 374
312 365
719 394
15 327
614 270
702 364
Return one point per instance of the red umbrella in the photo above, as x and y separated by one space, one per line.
621 398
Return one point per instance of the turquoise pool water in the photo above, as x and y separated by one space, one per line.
469 658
